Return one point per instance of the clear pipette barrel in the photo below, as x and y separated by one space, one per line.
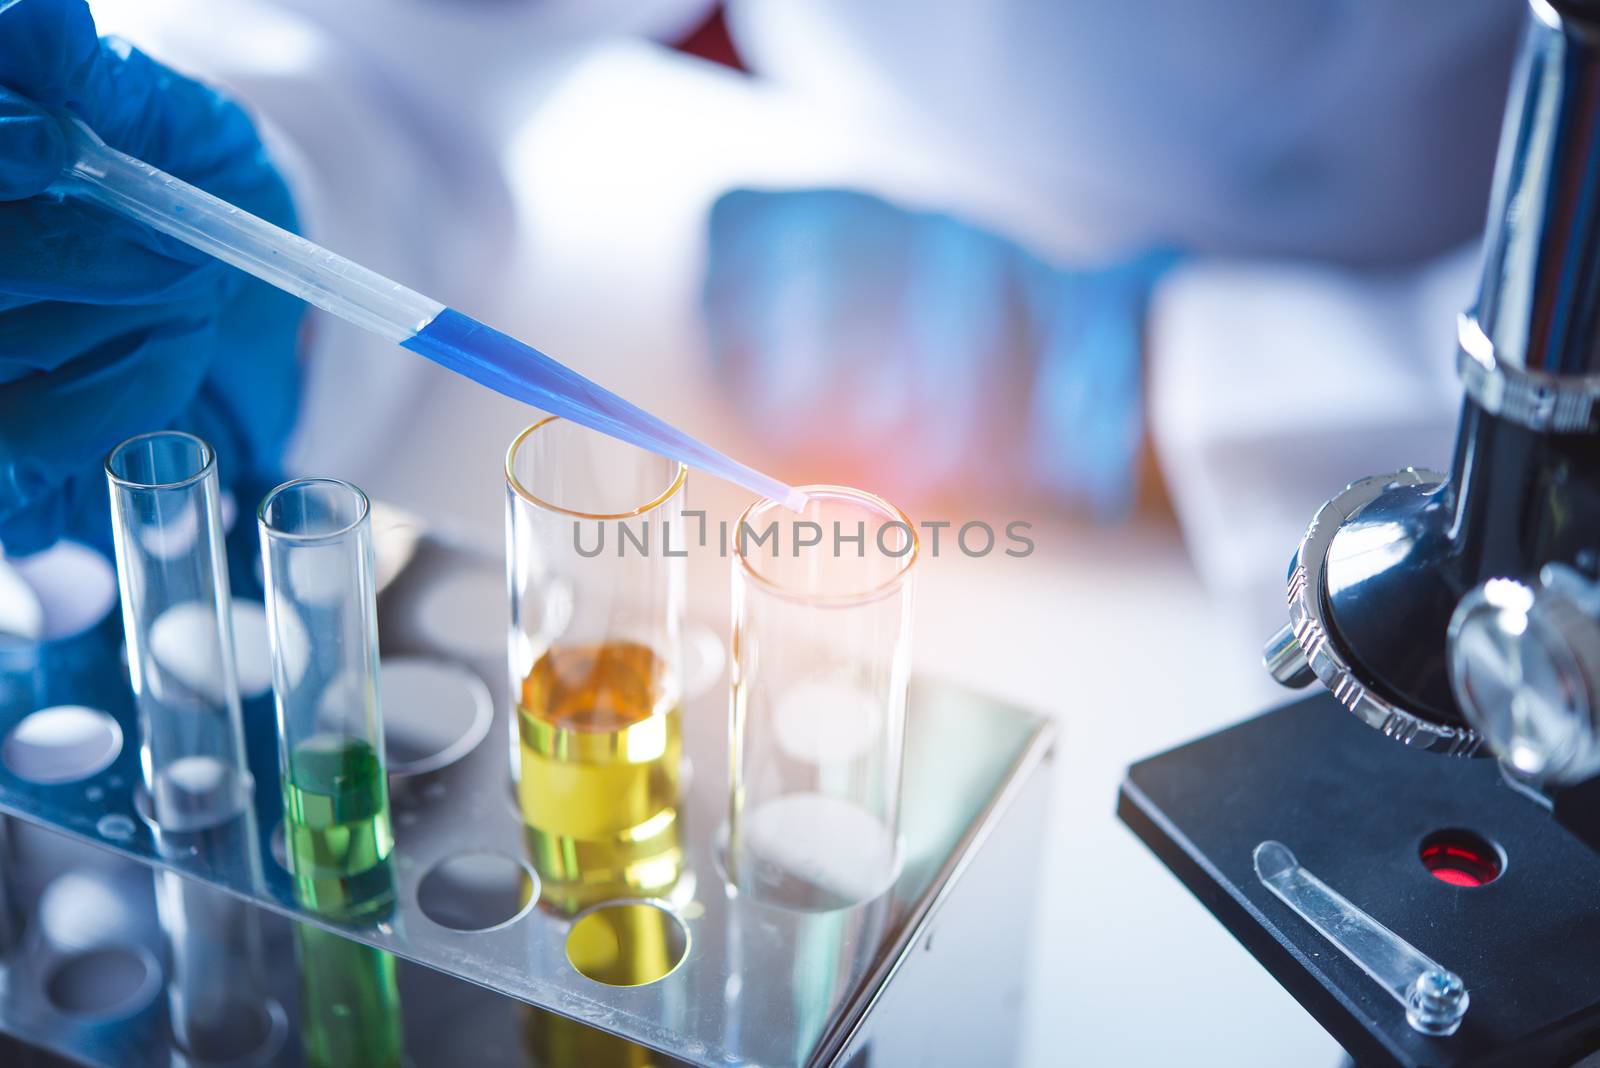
133 188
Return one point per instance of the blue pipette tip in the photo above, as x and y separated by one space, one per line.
796 501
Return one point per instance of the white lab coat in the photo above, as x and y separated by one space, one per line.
1326 162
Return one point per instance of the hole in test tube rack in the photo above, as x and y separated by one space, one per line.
458 613
66 743
1462 858
627 943
104 983
244 1033
21 613
434 714
477 891
58 593
80 908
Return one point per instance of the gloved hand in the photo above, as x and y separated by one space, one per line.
108 329
917 353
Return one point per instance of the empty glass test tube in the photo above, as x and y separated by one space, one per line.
316 549
821 662
594 559
167 525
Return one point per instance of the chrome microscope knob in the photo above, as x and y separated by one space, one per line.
1525 668
1285 662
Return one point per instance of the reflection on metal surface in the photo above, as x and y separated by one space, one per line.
349 997
1527 346
96 900
828 953
105 983
1525 669
77 911
554 1041
1312 593
87 966
627 943
210 933
216 994
349 1003
959 751
62 744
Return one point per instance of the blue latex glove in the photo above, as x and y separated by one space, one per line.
108 329
919 354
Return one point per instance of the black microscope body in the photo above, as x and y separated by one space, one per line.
1458 615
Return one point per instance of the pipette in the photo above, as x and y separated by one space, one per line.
131 187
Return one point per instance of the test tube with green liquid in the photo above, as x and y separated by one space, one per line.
316 553
316 548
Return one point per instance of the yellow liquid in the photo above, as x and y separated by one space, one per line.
601 743
553 1041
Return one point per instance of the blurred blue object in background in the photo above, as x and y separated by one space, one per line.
107 329
924 355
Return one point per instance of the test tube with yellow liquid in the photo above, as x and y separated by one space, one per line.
594 560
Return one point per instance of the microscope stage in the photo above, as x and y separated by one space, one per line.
1360 810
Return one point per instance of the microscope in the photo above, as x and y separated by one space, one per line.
1428 909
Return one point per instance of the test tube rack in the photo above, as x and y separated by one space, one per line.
927 972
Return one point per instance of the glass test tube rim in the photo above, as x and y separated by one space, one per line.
363 504
527 495
208 461
852 599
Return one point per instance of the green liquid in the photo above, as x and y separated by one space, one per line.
336 827
349 1003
